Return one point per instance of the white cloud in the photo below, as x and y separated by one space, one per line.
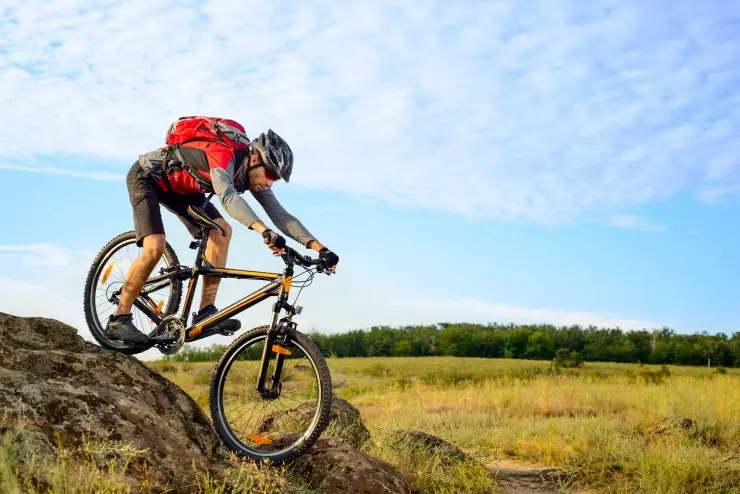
465 309
24 299
547 111
635 222
52 170
39 255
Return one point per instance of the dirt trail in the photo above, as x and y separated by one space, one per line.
516 477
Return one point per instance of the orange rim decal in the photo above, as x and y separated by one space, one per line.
107 273
260 439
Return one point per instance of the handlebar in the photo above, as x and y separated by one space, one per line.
291 256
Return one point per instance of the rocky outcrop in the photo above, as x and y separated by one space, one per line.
347 423
60 389
333 466
433 444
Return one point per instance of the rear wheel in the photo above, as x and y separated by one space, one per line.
105 280
276 427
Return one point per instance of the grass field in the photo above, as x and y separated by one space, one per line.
614 427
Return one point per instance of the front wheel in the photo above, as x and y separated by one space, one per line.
282 425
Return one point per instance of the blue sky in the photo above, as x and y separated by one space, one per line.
500 161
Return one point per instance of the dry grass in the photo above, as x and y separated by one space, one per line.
613 427
90 470
618 428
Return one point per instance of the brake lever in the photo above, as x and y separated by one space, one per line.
322 268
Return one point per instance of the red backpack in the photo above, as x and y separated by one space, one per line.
199 128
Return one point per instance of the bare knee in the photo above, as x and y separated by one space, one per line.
152 248
215 235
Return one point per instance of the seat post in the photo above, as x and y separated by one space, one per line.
202 247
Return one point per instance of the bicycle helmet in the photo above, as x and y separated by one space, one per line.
276 154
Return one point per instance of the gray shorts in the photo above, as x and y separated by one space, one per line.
146 197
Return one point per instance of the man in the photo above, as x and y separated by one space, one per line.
177 176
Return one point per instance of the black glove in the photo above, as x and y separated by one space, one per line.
329 258
273 239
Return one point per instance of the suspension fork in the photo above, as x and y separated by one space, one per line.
273 336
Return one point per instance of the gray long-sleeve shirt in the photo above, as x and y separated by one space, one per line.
240 210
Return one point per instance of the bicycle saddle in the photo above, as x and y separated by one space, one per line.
201 219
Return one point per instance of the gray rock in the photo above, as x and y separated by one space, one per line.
334 467
56 386
433 444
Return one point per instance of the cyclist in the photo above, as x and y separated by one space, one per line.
206 166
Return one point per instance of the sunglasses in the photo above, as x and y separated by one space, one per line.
271 175
268 173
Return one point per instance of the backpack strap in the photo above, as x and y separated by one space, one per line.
204 184
165 167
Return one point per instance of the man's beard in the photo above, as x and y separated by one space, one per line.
241 182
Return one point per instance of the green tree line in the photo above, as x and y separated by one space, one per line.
530 341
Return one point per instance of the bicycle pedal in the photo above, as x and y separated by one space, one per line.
228 328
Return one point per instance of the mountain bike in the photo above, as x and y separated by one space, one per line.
271 391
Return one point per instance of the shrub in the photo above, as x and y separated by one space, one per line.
566 358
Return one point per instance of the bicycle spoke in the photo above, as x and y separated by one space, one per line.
228 412
106 310
257 403
130 261
297 386
287 412
118 266
237 407
237 397
239 377
247 422
296 400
